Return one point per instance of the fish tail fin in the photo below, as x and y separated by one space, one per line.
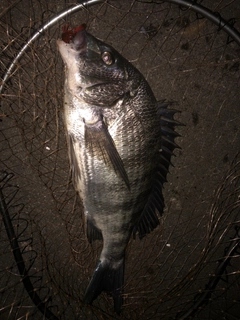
108 279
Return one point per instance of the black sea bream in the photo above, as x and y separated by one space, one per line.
120 142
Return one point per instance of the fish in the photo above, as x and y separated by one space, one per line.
120 143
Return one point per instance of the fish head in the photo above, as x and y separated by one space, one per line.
96 72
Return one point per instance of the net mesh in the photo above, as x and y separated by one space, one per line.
189 266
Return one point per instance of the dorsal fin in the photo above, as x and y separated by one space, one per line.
155 204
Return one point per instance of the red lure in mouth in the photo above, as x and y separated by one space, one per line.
69 32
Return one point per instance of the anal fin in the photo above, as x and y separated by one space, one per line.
93 233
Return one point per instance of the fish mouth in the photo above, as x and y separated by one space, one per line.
75 37
80 41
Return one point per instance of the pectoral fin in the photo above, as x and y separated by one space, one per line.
100 143
76 174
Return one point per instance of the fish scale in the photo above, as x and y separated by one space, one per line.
120 143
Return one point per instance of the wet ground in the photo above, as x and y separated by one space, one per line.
187 60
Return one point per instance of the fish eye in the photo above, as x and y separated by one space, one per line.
107 58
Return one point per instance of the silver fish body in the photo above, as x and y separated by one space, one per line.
120 144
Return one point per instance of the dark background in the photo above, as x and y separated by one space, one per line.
187 60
